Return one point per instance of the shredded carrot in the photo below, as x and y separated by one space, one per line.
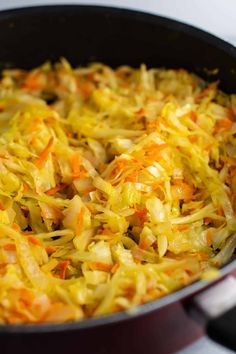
224 123
26 233
193 138
207 221
90 206
44 154
9 247
182 191
169 271
209 238
33 139
56 189
68 133
88 190
25 187
208 147
231 113
62 266
203 256
141 110
115 267
77 169
80 221
16 227
152 125
119 166
182 227
86 89
143 244
205 92
154 151
2 206
129 292
229 160
132 177
25 295
101 266
34 240
75 163
142 214
193 116
33 81
220 211
177 180
107 231
50 250
2 106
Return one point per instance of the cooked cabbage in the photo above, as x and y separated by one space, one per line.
117 187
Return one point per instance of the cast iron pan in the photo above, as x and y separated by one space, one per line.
82 34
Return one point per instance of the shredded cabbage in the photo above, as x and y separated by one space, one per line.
117 187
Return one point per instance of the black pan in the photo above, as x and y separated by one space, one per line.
83 34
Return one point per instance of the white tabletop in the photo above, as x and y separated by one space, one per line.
215 16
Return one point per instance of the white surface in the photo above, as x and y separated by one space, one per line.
216 16
204 346
218 298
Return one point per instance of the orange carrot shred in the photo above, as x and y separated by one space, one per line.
193 138
181 227
75 164
34 240
142 215
25 233
25 187
16 227
76 167
33 81
56 189
62 266
87 89
203 256
209 238
107 231
154 151
44 154
80 220
193 116
220 211
207 221
115 267
9 247
141 110
224 123
50 250
143 244
182 191
231 113
101 266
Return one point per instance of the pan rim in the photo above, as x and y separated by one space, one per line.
168 22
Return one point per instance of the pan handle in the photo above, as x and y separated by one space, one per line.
215 308
222 329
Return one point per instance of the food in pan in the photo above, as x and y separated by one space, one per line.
117 187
